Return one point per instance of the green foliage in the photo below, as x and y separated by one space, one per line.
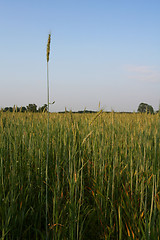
43 108
23 109
32 108
145 108
103 176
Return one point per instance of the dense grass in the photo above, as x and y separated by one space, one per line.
103 176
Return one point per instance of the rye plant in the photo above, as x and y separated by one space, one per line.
103 176
48 53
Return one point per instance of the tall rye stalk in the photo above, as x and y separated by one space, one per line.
48 52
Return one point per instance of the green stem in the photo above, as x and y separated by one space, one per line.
47 153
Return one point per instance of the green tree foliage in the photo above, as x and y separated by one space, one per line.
43 108
32 108
8 109
16 109
29 108
5 109
144 107
23 109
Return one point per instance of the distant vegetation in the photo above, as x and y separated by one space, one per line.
30 108
142 108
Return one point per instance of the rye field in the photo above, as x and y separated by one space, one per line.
103 176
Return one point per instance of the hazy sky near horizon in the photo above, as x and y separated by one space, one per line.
101 51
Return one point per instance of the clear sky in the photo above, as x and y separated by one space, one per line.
105 51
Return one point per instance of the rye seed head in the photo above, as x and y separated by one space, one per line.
48 47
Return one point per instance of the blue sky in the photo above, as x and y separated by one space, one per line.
101 51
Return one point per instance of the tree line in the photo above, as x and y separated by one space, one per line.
30 108
142 108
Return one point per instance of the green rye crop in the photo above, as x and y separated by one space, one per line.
103 176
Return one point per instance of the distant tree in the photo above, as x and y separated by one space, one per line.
43 108
10 109
32 108
16 109
144 107
87 111
23 109
5 109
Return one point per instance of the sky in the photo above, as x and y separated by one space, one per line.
102 51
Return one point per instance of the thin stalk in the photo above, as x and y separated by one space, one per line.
47 153
151 210
120 222
48 52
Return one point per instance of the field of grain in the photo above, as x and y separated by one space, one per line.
103 176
